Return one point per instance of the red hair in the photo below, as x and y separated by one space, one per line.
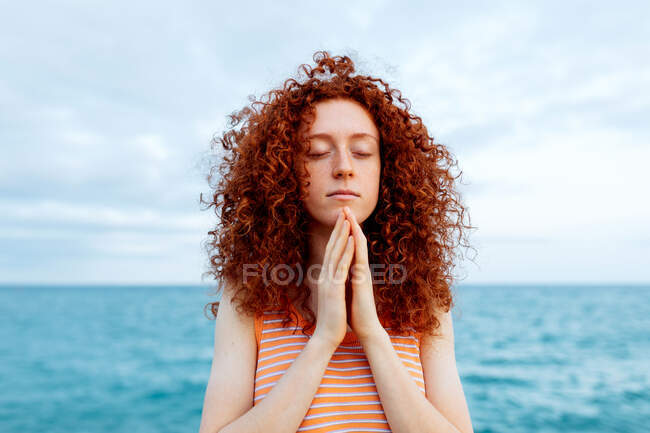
417 223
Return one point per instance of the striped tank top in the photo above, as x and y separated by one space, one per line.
347 398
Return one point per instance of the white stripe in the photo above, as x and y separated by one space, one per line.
281 329
412 346
287 361
283 337
415 355
338 394
341 385
279 346
409 337
264 376
331 394
277 355
409 361
345 361
351 421
344 403
365 367
327 376
348 430
350 347
275 321
352 412
414 370
335 376
258 388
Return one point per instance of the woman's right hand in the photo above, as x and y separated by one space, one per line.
332 322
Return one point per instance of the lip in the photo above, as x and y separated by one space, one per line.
343 196
343 192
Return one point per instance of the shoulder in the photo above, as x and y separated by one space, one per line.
442 338
446 329
230 321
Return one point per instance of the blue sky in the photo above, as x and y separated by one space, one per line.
107 110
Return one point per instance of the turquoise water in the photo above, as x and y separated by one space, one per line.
137 359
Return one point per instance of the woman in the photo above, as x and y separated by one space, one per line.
337 212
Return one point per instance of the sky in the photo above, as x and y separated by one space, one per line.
108 109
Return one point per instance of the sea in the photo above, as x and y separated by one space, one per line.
531 358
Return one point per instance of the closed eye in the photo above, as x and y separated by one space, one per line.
315 155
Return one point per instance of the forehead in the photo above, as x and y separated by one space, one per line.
342 117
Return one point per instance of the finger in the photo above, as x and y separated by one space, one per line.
361 244
337 226
344 264
339 246
332 239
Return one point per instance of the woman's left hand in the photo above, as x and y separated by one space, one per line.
364 319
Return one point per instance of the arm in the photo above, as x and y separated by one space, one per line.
228 402
444 409
290 397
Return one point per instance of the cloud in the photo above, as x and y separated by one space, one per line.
105 124
567 185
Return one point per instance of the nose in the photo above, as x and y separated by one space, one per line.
343 166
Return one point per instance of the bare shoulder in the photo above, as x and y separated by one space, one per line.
229 319
444 334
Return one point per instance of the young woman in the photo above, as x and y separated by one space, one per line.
337 219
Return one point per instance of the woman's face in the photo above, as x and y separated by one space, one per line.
344 155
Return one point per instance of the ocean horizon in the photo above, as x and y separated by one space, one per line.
137 358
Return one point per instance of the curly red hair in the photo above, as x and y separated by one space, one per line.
417 223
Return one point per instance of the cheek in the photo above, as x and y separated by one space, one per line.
317 177
373 175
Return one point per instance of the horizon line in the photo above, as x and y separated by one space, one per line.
209 285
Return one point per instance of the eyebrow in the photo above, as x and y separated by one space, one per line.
355 135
